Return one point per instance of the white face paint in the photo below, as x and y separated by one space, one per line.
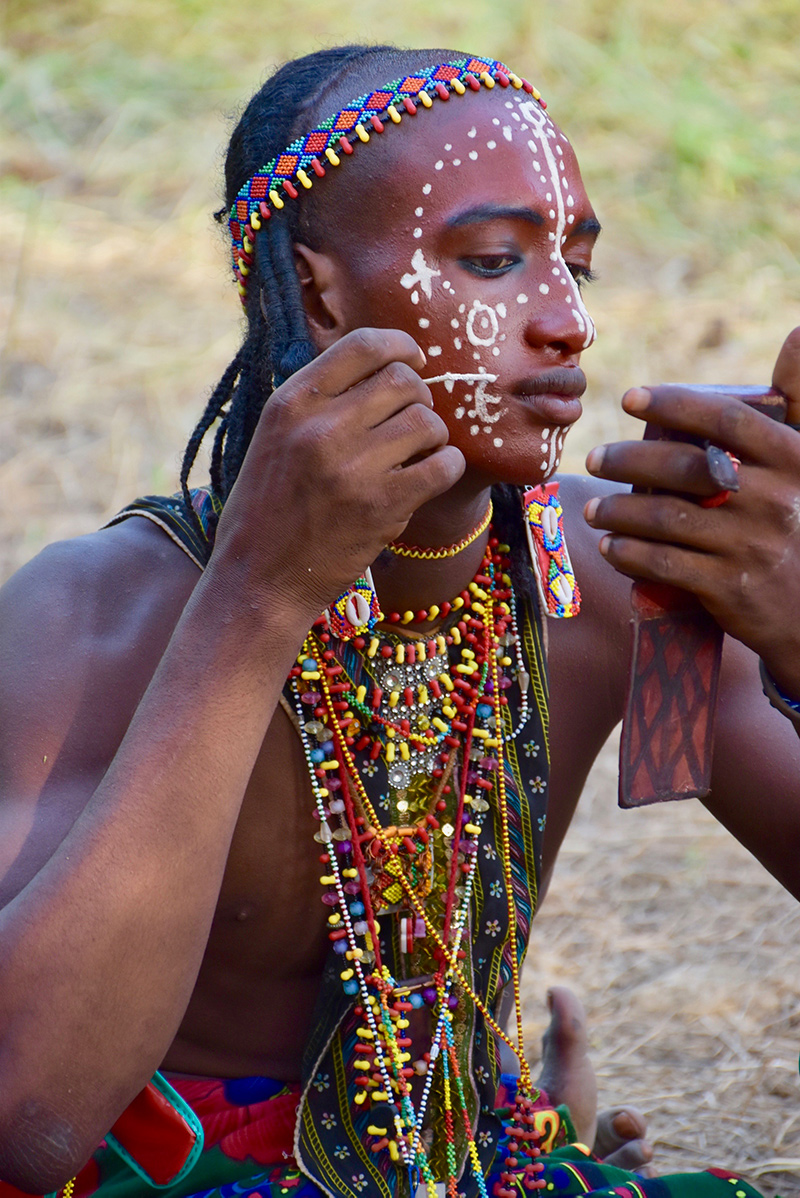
476 331
544 133
423 275
482 324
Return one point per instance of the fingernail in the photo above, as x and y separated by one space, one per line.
549 1000
636 400
595 459
721 468
590 510
605 545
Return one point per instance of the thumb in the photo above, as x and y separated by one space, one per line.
786 375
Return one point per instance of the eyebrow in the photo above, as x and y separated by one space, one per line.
488 212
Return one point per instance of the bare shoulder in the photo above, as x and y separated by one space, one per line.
87 596
82 629
600 636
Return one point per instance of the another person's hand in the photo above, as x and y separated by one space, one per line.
343 454
741 558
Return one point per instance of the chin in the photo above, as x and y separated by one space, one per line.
505 465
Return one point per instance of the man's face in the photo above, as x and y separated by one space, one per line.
474 232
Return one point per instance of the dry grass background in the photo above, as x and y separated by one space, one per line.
116 316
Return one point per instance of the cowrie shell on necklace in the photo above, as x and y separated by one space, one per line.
357 610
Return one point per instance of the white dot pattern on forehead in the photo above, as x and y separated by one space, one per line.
473 132
434 351
498 441
426 189
418 232
473 154
522 298
492 145
418 211
424 323
545 290
437 166
508 132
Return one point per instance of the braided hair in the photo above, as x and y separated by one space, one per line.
277 341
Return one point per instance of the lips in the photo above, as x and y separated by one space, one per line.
554 394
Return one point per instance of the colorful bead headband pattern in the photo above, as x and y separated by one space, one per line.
286 176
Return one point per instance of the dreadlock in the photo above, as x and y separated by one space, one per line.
277 341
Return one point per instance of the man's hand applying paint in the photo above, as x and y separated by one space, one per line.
741 557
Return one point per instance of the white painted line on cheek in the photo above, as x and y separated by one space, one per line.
462 378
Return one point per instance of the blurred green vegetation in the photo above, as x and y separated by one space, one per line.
116 309
685 113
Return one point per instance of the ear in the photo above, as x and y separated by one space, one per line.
323 295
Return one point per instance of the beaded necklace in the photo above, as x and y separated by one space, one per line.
438 728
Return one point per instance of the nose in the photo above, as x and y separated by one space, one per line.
557 317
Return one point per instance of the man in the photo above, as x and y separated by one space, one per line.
415 327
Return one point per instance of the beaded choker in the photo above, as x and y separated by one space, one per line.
287 175
433 714
431 555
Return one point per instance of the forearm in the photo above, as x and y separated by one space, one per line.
99 953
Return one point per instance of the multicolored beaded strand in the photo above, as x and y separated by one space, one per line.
334 757
430 555
287 175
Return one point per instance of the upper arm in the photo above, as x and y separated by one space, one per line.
755 785
81 633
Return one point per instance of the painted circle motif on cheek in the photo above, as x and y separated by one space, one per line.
482 324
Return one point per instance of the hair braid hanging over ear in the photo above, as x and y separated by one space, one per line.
277 341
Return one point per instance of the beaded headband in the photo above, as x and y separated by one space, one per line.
285 176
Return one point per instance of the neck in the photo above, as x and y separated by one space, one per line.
413 584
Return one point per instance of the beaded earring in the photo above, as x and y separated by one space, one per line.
550 561
356 611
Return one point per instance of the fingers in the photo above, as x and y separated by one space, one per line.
414 485
711 415
655 561
664 465
355 357
786 375
656 518
412 432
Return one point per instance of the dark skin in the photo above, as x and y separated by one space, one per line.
159 876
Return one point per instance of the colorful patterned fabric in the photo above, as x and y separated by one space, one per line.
248 1126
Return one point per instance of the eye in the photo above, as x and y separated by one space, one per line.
581 274
489 266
